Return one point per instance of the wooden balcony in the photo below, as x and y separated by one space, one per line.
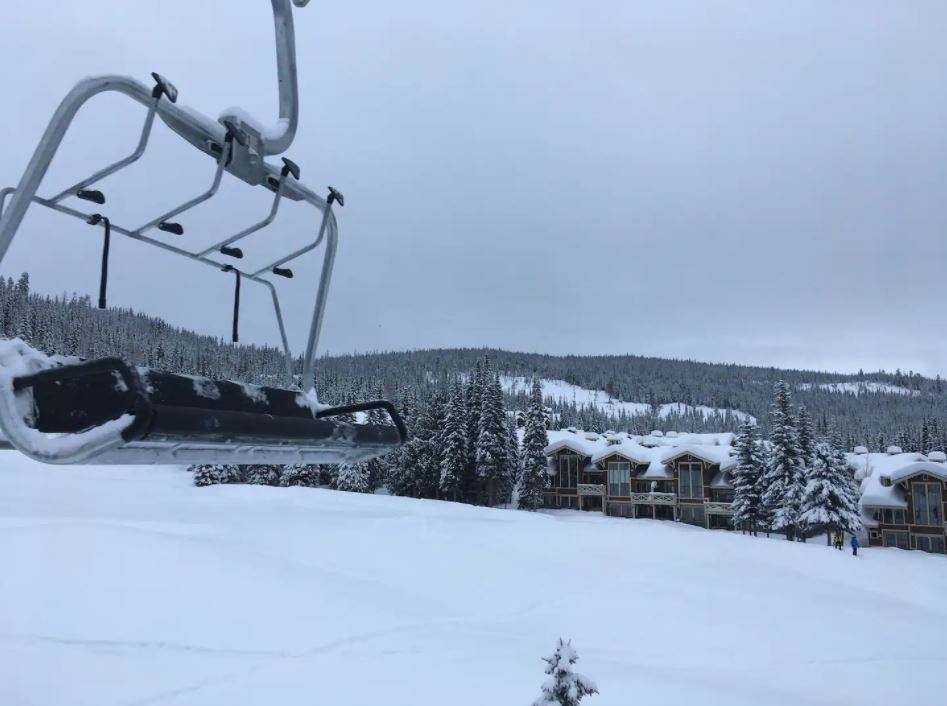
591 489
654 498
718 508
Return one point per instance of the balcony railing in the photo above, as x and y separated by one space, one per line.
591 489
718 508
654 498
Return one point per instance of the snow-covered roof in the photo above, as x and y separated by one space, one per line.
870 468
653 452
721 480
913 469
711 454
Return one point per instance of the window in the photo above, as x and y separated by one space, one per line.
895 539
692 514
928 505
594 477
568 471
620 509
892 517
690 480
928 543
619 478
721 495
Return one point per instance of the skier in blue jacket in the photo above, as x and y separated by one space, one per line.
854 544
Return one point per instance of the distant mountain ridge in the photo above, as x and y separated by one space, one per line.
638 393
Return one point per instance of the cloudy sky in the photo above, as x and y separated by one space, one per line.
727 181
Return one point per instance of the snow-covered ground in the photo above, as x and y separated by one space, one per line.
567 392
122 586
861 387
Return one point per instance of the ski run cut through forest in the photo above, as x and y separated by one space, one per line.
133 586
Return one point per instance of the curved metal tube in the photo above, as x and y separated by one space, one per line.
278 140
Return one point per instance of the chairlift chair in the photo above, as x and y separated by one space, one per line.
68 411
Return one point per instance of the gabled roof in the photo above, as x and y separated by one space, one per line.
629 449
912 469
574 441
711 454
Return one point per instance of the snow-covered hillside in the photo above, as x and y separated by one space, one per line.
861 387
125 586
567 393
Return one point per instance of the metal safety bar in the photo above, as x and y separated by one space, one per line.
255 227
187 205
114 167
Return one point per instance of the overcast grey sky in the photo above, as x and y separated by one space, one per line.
727 181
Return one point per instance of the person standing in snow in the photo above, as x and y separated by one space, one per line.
838 541
854 545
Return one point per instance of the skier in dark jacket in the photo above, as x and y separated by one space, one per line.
854 544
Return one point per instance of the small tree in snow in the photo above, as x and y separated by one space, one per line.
263 475
533 477
353 477
830 500
564 687
215 473
299 474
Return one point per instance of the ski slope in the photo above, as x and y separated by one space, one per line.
123 586
567 393
861 387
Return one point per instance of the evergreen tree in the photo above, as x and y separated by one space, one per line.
513 452
474 397
806 437
564 687
300 474
747 510
534 476
377 467
454 446
353 477
783 477
263 475
214 474
493 460
830 500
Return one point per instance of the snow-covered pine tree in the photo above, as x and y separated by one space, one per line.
328 474
534 476
830 499
782 477
513 452
454 445
493 459
806 437
215 474
353 477
263 475
206 474
299 474
747 510
474 398
377 467
564 687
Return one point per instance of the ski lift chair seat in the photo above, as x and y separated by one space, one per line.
174 417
